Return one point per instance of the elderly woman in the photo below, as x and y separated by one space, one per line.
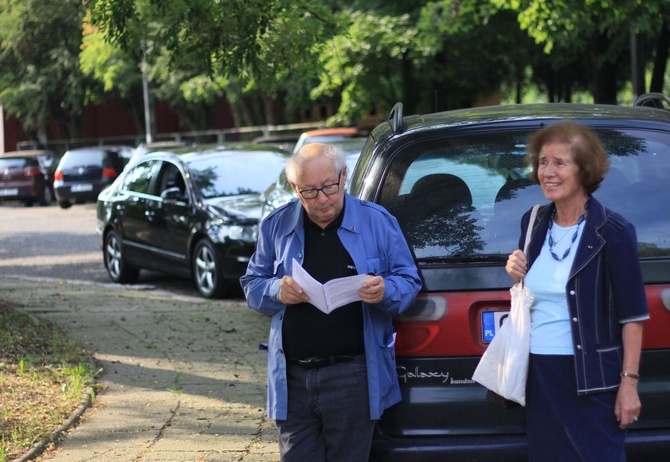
586 321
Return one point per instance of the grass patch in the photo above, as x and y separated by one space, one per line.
44 376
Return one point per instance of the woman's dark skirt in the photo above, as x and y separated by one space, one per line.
563 426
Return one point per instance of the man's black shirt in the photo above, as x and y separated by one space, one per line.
306 330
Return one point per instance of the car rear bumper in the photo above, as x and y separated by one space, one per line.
65 192
18 194
641 446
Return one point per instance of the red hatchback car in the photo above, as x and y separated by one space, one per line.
27 176
458 184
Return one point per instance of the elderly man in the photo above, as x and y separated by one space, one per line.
330 376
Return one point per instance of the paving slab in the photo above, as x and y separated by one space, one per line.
183 379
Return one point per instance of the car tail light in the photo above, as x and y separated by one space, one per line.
447 324
31 171
109 172
656 329
418 326
58 176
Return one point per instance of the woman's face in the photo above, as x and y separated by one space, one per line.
559 174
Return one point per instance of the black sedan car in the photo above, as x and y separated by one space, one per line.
458 183
192 212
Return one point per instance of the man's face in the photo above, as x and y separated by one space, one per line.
317 173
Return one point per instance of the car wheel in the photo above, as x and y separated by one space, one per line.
115 263
64 204
207 270
46 197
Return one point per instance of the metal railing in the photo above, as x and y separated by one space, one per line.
200 137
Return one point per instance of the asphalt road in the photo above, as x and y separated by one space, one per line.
62 243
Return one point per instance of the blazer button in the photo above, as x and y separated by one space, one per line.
574 319
572 292
300 256
579 347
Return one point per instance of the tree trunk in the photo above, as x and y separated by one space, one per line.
637 64
661 59
604 85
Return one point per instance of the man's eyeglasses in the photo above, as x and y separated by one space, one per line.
327 190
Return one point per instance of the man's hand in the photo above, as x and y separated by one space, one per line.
290 292
372 290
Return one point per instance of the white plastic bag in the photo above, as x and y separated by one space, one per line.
503 367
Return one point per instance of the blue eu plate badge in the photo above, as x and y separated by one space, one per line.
491 322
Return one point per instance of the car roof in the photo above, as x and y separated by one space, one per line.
96 147
333 131
28 153
540 113
190 153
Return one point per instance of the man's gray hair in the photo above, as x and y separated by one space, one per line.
311 151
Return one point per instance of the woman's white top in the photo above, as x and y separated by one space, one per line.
546 280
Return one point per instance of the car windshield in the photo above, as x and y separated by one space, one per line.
235 173
463 198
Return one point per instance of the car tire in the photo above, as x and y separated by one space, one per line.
118 269
207 270
65 204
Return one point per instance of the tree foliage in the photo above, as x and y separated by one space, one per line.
39 65
272 59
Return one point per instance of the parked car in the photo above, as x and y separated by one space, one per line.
457 182
280 191
284 141
28 176
145 148
192 212
84 172
325 135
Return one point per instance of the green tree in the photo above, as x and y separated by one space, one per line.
600 30
261 49
118 73
39 65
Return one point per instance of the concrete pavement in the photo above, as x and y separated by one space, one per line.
183 378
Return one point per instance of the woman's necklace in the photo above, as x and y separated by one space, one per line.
582 217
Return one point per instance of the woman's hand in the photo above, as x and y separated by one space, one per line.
628 406
517 265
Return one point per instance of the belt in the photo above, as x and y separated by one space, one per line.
316 363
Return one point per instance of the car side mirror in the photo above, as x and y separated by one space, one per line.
173 194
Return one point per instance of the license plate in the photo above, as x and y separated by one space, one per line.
82 187
9 192
491 322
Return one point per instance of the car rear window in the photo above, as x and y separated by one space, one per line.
95 158
16 162
463 197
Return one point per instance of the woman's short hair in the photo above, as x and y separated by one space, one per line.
310 151
585 146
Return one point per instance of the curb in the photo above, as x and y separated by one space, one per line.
55 436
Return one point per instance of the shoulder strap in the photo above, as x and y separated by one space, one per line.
533 215
529 231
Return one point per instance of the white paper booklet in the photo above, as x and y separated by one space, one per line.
331 295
